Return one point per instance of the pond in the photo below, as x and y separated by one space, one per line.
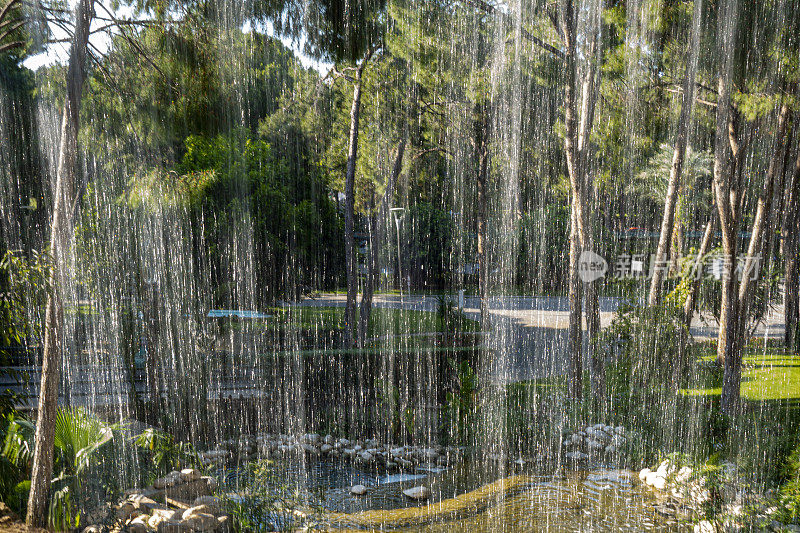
468 497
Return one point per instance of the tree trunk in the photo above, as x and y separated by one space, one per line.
575 341
60 236
791 249
481 141
678 156
351 262
754 257
705 245
376 238
727 205
576 146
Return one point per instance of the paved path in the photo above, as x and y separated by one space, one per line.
529 334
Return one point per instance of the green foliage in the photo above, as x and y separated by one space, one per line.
399 417
451 319
80 439
788 508
164 453
461 405
24 282
264 502
15 456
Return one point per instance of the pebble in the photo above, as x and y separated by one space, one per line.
418 493
358 490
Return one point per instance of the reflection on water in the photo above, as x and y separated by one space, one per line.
598 500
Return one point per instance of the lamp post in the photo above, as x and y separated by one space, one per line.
399 214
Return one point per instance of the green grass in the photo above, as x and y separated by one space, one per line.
767 376
383 322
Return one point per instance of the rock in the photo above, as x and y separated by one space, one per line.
418 493
200 518
326 448
224 524
170 480
174 526
310 438
143 503
358 490
189 491
666 468
595 445
683 475
162 515
576 456
598 434
659 482
328 439
704 527
308 448
138 524
126 510
93 529
366 457
189 474
211 483
212 502
611 449
643 474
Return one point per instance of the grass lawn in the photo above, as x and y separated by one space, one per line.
767 376
383 322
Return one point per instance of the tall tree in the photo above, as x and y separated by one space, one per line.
351 261
578 127
61 229
791 254
679 154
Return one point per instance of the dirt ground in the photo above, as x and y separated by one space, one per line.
11 523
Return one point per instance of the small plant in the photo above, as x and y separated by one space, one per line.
80 438
398 417
164 453
462 401
264 503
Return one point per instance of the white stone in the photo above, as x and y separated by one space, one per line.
311 438
704 527
595 445
366 457
326 448
643 474
190 474
358 490
576 456
659 482
308 448
683 474
418 493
